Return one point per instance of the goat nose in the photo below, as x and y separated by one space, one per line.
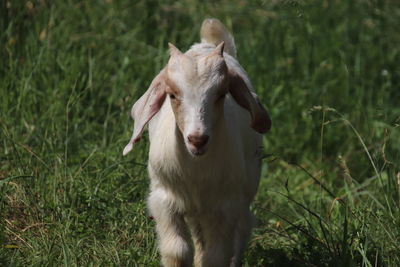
198 140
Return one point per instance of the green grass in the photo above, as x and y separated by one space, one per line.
327 70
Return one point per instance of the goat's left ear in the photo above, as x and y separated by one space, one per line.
146 107
246 98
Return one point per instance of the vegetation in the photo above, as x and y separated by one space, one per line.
327 70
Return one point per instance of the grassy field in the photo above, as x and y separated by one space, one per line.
327 70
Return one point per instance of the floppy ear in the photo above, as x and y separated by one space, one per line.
246 98
146 107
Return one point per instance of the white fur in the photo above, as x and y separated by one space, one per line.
201 205
209 195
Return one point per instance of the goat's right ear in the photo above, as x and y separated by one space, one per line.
146 107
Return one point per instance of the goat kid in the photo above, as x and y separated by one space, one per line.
205 124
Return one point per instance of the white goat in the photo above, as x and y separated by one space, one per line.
205 124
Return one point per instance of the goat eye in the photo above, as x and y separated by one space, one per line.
172 96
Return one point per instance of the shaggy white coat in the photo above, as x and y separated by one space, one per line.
201 203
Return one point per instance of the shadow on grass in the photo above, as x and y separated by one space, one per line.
260 256
270 257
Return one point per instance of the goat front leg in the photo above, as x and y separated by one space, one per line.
198 240
173 235
215 240
242 236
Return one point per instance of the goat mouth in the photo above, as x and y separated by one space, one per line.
197 152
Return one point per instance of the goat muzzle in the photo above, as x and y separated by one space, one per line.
197 140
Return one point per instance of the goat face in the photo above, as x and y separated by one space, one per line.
196 86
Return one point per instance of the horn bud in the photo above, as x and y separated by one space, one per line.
173 51
219 50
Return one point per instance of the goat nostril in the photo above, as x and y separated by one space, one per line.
198 140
